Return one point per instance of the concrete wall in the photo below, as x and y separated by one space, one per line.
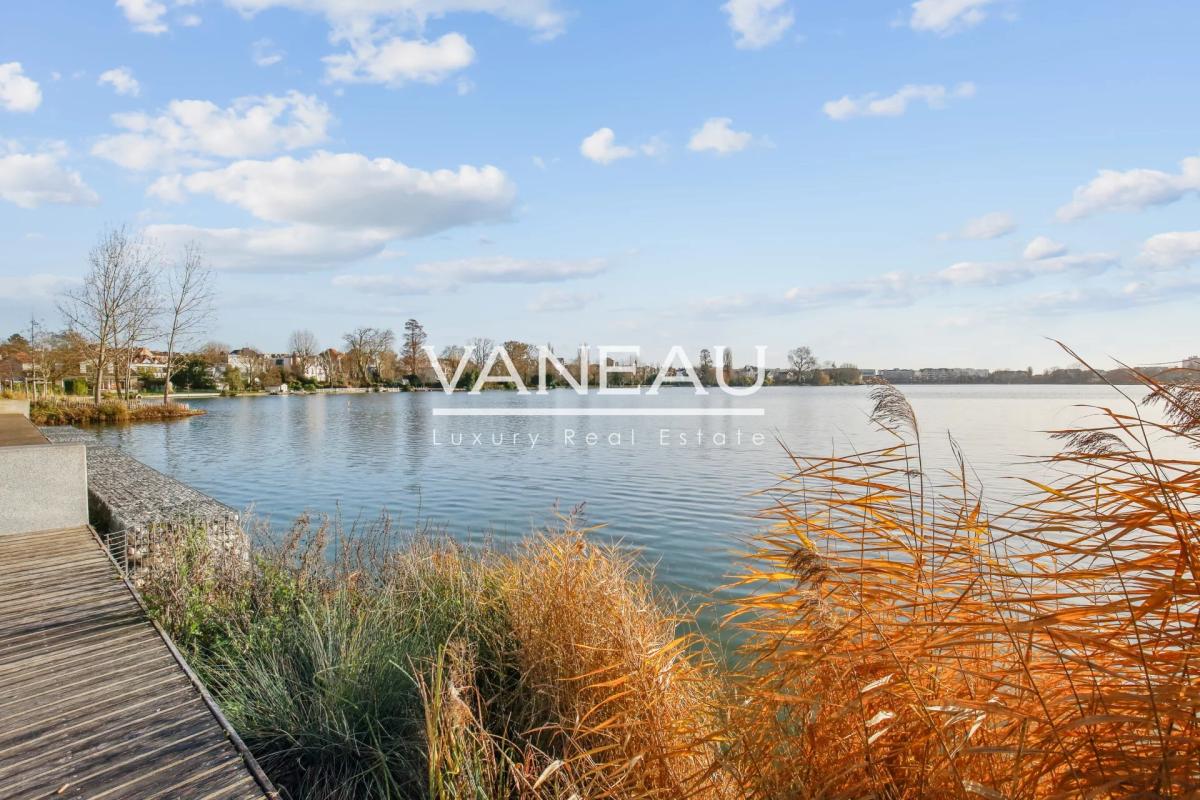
14 407
43 487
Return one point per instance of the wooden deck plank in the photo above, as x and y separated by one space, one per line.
54 661
55 748
72 762
93 701
79 674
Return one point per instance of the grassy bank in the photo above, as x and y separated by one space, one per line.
108 412
408 666
896 638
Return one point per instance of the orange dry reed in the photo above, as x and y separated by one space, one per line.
629 704
901 643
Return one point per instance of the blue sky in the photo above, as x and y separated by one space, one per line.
894 184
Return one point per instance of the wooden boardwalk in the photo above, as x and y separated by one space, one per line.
94 703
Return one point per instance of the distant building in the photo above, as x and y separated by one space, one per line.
951 374
149 362
1191 362
898 375
242 359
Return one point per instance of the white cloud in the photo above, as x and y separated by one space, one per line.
542 16
1121 298
894 289
189 132
29 180
380 40
146 16
758 23
396 61
1171 250
444 276
265 54
552 300
988 226
602 148
1043 247
1004 273
18 92
121 80
293 248
946 17
348 191
191 21
872 105
654 146
1134 189
716 136
503 269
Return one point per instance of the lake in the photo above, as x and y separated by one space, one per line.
683 496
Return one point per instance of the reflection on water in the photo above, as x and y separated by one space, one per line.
680 489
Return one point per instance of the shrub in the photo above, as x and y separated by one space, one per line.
76 386
108 412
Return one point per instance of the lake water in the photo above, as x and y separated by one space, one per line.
681 501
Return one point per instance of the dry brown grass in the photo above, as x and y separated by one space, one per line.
108 412
896 640
632 706
901 643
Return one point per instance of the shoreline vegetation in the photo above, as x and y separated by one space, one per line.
891 636
108 412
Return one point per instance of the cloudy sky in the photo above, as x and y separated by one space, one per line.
939 183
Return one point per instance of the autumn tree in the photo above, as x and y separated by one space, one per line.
411 357
215 354
524 358
331 364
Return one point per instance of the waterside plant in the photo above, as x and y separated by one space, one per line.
107 412
895 636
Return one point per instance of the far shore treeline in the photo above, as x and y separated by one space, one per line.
138 320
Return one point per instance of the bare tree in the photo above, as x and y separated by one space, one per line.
113 298
479 349
303 344
331 363
803 362
257 366
37 355
190 305
365 348
139 325
706 367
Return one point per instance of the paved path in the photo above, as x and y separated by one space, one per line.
93 702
